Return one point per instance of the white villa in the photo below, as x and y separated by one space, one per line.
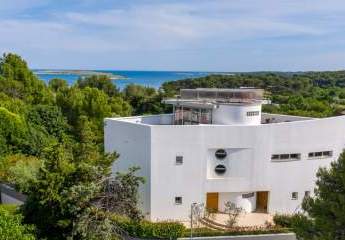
218 146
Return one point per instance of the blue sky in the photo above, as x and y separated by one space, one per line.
213 35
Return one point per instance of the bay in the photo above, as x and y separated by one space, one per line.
146 78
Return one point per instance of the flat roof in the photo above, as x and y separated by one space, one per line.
167 119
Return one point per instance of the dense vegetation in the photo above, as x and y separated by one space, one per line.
318 94
51 149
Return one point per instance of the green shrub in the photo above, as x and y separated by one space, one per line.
10 208
298 223
147 229
11 227
283 220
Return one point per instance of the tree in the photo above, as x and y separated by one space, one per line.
13 105
101 82
19 170
144 100
63 190
327 209
120 194
22 170
57 84
89 102
12 131
49 119
17 81
120 107
233 213
71 184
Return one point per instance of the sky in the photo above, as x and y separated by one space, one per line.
181 35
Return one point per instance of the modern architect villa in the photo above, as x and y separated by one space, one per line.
218 146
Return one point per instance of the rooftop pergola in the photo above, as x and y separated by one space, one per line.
224 95
210 97
196 104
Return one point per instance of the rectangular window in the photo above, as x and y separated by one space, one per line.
285 157
307 194
179 160
327 154
324 154
318 154
294 195
248 195
178 200
253 113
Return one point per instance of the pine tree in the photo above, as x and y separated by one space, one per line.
327 209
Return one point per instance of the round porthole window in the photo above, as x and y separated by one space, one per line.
220 154
220 169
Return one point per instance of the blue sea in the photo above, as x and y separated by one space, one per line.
146 78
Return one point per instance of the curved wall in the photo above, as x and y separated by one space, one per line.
237 114
247 204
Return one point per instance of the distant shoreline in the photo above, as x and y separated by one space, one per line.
81 73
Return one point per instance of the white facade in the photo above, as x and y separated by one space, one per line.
252 166
237 114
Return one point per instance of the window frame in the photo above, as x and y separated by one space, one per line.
253 113
179 160
307 193
285 157
294 197
178 200
320 154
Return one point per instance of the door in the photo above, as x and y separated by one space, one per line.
212 201
261 201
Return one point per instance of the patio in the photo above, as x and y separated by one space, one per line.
246 219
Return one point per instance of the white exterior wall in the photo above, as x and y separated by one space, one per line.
249 165
229 114
132 142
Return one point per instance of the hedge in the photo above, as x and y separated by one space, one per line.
146 229
206 232
299 223
283 220
173 230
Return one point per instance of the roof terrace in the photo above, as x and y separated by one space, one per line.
168 119
217 106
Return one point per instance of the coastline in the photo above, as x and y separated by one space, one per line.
80 73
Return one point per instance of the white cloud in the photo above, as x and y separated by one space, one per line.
165 26
184 25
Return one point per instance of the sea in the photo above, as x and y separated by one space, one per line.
146 78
